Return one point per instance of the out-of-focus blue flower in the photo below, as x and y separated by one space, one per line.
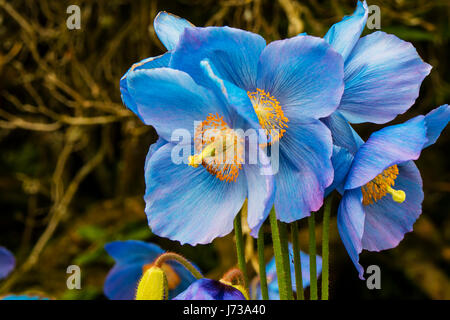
23 297
382 192
272 279
382 73
208 289
291 84
132 258
7 262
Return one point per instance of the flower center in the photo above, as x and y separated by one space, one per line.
382 185
173 279
270 114
218 148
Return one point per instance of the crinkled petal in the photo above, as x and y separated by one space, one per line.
383 75
169 27
350 221
305 169
343 134
386 147
169 100
189 204
7 262
388 221
149 63
436 120
345 34
304 74
233 52
207 289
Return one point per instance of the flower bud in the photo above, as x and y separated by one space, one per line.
153 285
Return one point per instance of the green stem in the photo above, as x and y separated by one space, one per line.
181 260
287 263
240 247
277 251
325 247
262 265
297 262
312 257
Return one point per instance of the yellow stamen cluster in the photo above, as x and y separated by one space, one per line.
381 185
218 148
270 114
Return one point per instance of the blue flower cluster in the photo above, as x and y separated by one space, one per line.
303 93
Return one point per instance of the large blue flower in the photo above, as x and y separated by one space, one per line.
132 258
185 201
272 279
7 262
208 289
382 192
382 73
290 84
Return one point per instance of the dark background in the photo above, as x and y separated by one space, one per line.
72 156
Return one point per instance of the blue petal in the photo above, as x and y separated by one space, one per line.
272 279
342 160
260 194
304 74
23 297
132 251
169 27
387 221
305 169
186 278
235 98
343 134
233 52
131 256
436 120
383 75
169 99
149 63
7 262
207 289
350 221
345 34
121 281
189 204
386 147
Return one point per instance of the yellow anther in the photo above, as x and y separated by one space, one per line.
239 287
397 195
381 185
218 148
270 114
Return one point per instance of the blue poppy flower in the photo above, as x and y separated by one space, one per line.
7 262
382 73
209 192
132 258
208 289
382 192
271 274
290 84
